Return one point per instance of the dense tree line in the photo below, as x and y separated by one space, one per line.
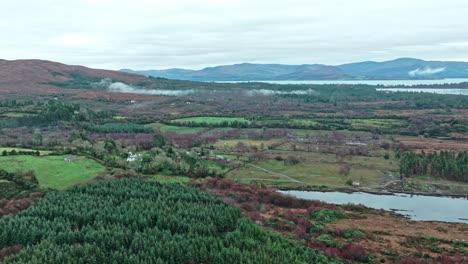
15 103
234 124
132 221
126 127
445 164
78 81
14 152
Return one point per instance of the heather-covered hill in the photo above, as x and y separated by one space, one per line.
28 75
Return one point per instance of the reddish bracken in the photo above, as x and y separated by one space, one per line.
354 252
8 251
410 260
15 205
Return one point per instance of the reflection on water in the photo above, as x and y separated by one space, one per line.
417 207
368 82
426 90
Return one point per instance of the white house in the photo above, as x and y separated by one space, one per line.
133 157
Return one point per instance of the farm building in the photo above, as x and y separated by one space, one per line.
133 157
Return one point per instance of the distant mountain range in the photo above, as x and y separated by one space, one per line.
403 68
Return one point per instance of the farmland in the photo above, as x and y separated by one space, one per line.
175 129
52 171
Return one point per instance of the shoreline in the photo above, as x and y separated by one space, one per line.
373 191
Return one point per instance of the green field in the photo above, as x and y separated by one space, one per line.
42 152
231 143
175 129
52 171
211 120
384 124
315 170
16 114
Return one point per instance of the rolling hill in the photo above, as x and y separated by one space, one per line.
29 75
403 68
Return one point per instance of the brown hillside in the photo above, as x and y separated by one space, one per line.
31 75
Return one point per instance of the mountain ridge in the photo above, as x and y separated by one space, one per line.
401 68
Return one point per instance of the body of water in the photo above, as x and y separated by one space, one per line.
369 82
417 207
426 90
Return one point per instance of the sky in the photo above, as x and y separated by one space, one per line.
160 34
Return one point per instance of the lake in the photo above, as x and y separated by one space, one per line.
368 82
426 90
417 207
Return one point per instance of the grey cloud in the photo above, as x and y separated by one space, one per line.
149 34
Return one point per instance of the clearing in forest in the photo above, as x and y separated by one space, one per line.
53 171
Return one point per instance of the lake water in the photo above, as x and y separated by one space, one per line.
369 82
417 207
426 90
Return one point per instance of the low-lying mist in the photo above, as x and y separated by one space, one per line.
120 87
274 92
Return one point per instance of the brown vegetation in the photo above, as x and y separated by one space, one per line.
15 205
352 232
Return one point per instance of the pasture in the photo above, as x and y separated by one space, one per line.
16 114
308 173
175 129
382 124
52 171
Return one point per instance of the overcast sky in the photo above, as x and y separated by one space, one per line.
158 34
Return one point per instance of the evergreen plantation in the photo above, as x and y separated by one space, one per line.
135 221
447 165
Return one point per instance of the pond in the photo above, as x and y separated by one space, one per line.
416 207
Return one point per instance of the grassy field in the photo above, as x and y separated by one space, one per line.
16 114
52 171
310 132
42 152
223 129
316 169
384 124
211 120
175 129
231 143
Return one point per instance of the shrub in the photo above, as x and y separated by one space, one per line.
344 169
326 239
354 252
326 215
291 160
